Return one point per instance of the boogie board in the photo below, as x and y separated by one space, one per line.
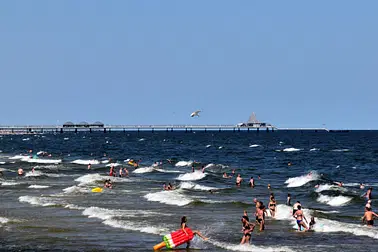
97 189
175 239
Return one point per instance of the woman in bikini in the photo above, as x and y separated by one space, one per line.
300 217
272 207
247 230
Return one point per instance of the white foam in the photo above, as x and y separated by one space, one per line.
38 186
341 150
18 157
254 145
113 164
3 220
34 174
314 149
247 247
141 139
74 207
91 178
66 138
25 139
302 180
333 200
75 189
1 162
291 149
166 171
328 187
144 170
194 186
183 163
40 160
169 197
191 176
10 183
134 226
325 225
220 147
85 162
39 201
104 161
208 146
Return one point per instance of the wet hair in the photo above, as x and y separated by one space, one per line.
288 195
368 208
245 218
183 219
299 207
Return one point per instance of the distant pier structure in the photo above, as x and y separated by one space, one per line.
251 125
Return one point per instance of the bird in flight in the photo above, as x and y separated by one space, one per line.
195 113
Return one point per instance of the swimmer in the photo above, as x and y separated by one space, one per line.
317 186
226 176
338 183
269 187
111 172
369 217
362 186
247 230
89 166
170 187
288 199
300 217
368 204
238 180
289 164
312 223
120 172
259 177
252 182
165 187
32 170
192 167
203 169
368 193
195 232
233 172
20 172
126 172
272 206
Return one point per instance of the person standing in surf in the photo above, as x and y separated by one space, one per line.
300 217
195 232
368 193
369 217
247 230
252 182
272 206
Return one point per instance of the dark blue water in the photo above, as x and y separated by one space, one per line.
54 208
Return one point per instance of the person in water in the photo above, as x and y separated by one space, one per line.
170 187
20 172
247 230
226 176
295 206
288 199
111 172
362 186
238 180
272 207
368 193
120 172
260 215
195 232
126 172
252 182
300 217
369 217
368 204
312 223
269 187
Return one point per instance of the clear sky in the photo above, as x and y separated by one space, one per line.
294 63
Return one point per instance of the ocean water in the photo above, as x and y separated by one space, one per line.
54 209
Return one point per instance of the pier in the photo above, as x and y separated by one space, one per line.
25 129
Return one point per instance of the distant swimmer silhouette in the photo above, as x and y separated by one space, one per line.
195 113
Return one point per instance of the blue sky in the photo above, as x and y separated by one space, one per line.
294 63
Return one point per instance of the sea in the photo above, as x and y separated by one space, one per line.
54 208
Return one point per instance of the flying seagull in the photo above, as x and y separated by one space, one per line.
195 113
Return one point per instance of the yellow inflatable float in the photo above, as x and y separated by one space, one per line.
97 189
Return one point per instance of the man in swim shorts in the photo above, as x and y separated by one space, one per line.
369 217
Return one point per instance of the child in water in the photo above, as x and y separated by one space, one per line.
195 232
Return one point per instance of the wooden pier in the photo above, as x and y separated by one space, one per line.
24 129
